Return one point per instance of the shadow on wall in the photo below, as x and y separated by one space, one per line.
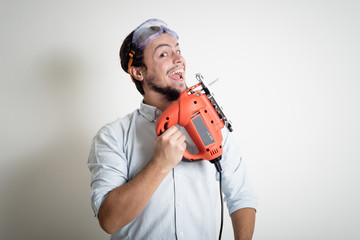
48 194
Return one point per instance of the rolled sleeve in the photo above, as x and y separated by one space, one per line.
108 166
236 184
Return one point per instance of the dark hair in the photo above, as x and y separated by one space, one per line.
138 60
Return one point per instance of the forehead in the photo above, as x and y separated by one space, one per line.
164 40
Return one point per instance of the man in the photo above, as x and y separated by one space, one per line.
140 187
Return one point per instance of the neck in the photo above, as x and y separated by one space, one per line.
157 100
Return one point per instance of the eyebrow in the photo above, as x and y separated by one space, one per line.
164 45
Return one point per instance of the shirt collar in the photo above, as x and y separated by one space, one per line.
149 112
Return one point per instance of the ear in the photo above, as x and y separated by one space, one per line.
137 73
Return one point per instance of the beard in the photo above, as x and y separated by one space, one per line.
171 94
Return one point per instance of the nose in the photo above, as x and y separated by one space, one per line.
178 58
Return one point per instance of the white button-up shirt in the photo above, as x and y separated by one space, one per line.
184 205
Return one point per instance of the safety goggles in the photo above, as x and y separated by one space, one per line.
149 30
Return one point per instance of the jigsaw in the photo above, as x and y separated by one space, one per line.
201 116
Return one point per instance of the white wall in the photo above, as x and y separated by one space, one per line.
290 82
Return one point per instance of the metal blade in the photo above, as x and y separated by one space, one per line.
210 95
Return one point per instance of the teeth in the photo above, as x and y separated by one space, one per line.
177 71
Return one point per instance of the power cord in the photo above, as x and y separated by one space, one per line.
217 164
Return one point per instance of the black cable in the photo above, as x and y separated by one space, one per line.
222 208
217 164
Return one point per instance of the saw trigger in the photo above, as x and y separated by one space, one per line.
166 126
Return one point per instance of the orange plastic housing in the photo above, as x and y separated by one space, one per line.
194 111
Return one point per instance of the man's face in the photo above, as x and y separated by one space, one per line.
165 66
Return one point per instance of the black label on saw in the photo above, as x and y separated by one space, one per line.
203 131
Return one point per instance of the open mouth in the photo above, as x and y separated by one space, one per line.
177 74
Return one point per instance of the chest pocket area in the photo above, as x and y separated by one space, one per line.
198 171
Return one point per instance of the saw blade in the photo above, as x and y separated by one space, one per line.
210 95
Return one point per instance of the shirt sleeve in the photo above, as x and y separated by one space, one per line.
236 184
108 166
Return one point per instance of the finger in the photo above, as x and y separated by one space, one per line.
184 145
176 134
181 138
170 131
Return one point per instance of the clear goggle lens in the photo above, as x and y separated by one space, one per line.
150 30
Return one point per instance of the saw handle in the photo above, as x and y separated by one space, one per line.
169 118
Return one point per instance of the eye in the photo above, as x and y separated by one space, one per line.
178 51
164 54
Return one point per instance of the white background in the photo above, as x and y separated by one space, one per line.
289 81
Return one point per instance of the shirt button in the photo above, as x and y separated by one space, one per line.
181 234
178 176
180 204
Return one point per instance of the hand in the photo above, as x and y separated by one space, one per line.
169 147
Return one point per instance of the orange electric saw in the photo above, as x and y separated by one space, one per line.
198 112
